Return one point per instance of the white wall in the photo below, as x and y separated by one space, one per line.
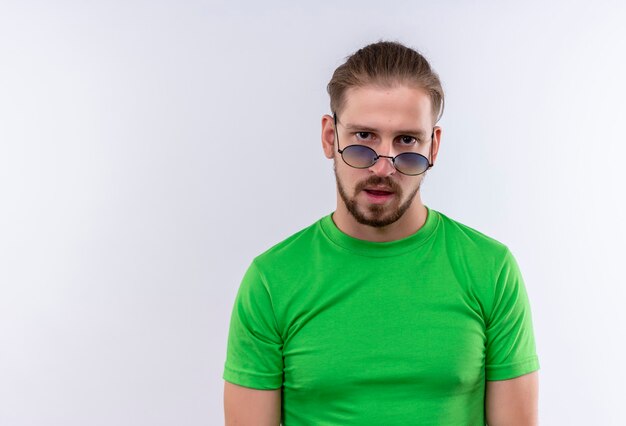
149 150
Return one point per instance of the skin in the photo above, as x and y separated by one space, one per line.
251 407
513 402
384 111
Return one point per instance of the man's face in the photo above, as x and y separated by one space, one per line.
390 120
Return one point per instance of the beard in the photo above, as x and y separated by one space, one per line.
379 214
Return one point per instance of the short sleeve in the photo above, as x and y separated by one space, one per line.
254 349
510 343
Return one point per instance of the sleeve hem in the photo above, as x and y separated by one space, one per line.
513 370
252 380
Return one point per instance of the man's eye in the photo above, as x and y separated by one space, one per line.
407 140
362 135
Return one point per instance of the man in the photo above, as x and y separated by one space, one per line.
384 312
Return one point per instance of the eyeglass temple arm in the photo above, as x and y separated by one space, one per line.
336 132
432 139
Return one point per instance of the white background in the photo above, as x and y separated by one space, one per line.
149 150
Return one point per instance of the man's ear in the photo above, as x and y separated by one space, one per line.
436 142
328 136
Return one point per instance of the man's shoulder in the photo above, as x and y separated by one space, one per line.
294 246
464 236
477 256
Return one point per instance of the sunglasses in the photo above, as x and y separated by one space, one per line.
362 157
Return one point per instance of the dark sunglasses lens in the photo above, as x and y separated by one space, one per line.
411 163
359 156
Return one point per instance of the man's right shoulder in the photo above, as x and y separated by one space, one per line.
292 247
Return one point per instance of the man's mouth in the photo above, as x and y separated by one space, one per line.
378 191
369 191
378 196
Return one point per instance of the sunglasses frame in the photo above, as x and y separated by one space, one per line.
393 159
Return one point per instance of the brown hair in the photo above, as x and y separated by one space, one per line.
386 63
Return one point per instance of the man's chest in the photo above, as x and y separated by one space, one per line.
424 334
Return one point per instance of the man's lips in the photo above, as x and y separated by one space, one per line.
378 196
379 191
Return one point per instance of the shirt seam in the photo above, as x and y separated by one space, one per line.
269 294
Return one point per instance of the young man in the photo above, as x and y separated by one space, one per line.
384 312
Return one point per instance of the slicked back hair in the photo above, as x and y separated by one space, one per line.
386 63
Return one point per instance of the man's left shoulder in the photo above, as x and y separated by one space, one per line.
470 241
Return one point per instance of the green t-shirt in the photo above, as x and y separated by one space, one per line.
381 333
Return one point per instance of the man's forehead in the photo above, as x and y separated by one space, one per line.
395 90
394 108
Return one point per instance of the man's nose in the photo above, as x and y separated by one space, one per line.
383 167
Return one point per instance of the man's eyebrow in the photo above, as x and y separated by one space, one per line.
362 128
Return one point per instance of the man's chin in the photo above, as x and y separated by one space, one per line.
377 223
377 219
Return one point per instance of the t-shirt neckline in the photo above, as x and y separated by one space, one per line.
380 249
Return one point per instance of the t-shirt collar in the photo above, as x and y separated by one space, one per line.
380 249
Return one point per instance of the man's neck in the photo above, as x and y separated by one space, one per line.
410 222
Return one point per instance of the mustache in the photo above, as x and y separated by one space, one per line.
378 181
